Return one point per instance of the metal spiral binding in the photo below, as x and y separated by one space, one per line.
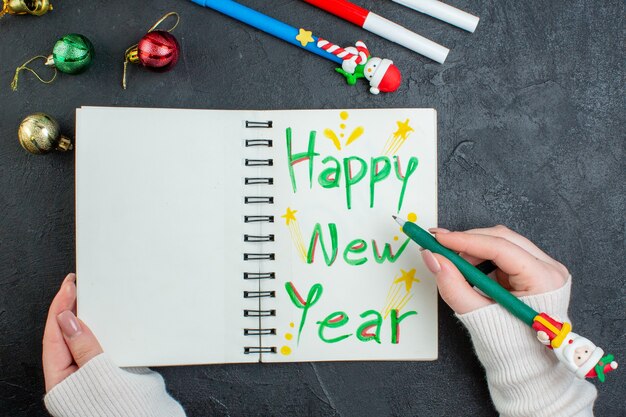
258 238
259 349
257 332
259 162
259 142
267 124
258 256
259 200
254 219
259 275
259 181
259 294
259 313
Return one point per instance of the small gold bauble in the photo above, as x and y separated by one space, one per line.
39 134
34 7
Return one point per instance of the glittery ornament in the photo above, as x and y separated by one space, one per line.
33 7
72 54
157 50
39 134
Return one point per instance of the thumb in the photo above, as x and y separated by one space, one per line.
453 287
81 341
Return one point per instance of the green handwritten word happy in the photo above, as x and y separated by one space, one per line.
349 171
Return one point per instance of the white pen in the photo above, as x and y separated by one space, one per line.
443 12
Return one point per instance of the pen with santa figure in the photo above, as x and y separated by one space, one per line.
577 353
356 61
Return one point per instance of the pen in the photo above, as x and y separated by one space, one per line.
478 279
356 62
267 24
387 29
577 353
443 12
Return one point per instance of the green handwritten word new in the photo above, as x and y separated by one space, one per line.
349 171
353 253
369 330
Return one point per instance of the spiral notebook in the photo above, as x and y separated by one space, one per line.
227 236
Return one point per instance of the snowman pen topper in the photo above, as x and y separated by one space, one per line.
356 62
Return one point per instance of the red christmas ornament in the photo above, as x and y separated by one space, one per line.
157 50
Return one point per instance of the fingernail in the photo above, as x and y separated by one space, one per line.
68 323
431 262
70 277
69 286
435 230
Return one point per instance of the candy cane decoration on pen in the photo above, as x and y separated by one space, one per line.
364 53
357 62
342 53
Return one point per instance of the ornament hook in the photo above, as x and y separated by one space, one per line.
129 56
24 67
163 19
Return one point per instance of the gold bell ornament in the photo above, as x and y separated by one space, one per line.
39 134
33 7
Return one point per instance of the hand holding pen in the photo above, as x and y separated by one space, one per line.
522 270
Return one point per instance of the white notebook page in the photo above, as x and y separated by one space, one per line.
347 288
158 213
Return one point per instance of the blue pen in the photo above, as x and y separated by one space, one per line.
355 62
269 25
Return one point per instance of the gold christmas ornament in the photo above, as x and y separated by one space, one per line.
39 134
33 7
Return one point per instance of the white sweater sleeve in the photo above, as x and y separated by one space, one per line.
101 389
524 377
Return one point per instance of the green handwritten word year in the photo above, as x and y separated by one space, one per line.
329 329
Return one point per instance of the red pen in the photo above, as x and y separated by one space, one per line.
382 27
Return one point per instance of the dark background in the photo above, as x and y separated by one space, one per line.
531 135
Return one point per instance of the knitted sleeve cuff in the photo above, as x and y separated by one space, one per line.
500 338
524 377
101 389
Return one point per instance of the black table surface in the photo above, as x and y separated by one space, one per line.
531 135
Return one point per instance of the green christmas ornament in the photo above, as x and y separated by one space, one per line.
39 134
72 54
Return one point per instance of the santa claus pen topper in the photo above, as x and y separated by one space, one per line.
577 353
356 61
